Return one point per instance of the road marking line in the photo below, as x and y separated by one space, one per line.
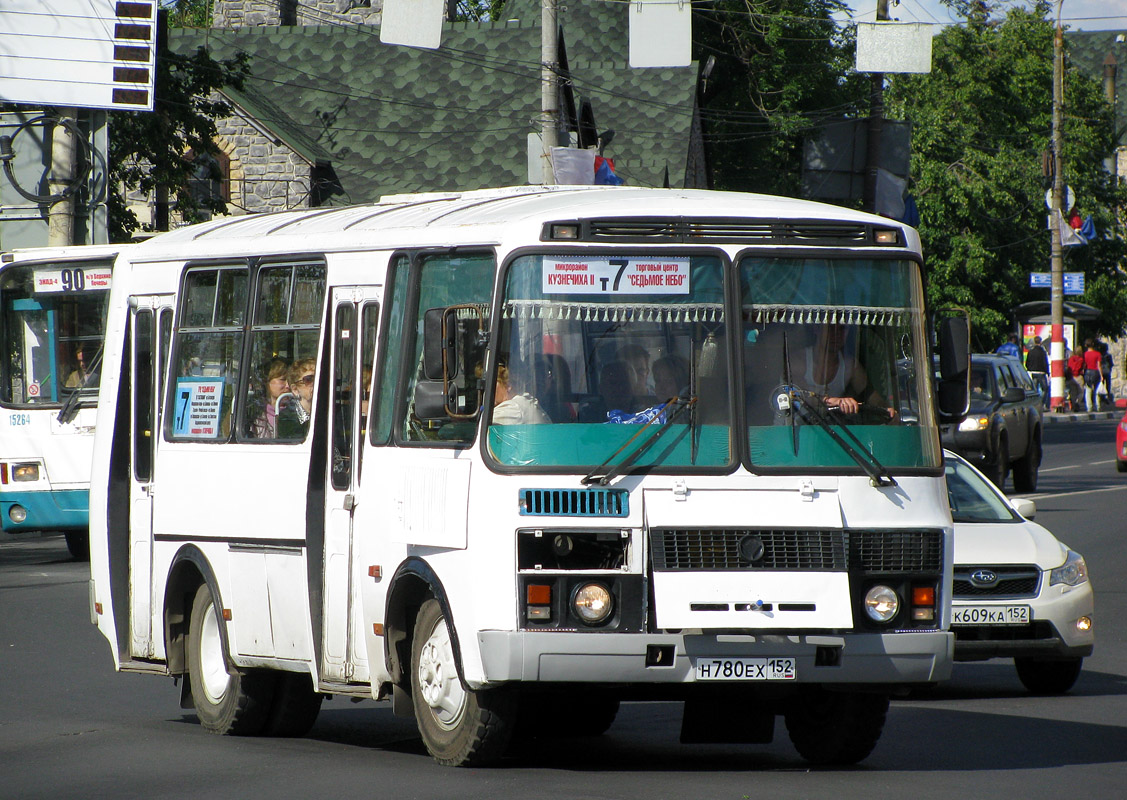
1078 466
1078 491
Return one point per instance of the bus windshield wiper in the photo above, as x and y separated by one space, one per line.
657 426
810 406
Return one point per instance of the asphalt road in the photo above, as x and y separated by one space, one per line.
71 728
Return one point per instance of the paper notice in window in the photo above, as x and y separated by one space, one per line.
615 276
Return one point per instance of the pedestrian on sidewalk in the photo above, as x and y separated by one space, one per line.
1091 376
1106 366
1037 362
1073 375
1010 347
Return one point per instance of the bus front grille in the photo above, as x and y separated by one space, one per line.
795 549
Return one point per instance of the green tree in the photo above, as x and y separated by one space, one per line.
782 68
162 148
981 129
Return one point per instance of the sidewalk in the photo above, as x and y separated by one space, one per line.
1051 418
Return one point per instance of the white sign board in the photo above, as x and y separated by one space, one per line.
661 33
415 23
893 47
196 408
615 276
78 279
80 53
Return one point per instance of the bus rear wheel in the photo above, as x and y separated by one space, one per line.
226 702
459 726
836 728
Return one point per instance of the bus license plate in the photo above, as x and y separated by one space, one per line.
990 615
746 669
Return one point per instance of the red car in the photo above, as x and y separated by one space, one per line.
1121 445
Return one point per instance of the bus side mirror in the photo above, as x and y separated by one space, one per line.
432 400
439 346
953 386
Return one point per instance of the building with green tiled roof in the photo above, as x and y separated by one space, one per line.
332 116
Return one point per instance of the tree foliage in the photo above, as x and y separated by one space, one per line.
160 148
782 68
981 127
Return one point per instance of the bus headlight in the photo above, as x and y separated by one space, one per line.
881 603
25 472
592 603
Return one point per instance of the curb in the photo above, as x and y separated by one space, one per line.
1082 416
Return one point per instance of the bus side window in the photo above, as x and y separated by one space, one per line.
284 330
446 280
209 342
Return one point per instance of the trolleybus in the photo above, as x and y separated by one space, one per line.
507 458
52 318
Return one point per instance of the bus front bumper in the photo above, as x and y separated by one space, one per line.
891 659
49 510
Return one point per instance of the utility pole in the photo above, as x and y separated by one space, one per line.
1056 354
549 94
876 124
60 182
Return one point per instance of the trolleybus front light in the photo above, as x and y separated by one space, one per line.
25 472
592 603
881 603
17 513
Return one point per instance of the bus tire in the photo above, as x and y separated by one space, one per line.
836 728
78 543
226 702
295 707
459 726
1025 468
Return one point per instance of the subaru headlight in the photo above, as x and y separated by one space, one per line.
1072 573
973 423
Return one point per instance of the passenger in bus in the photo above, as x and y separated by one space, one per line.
553 387
275 386
293 418
671 377
616 387
638 358
79 375
513 407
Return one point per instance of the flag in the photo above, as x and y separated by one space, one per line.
1069 236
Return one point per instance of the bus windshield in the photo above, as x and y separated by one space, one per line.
834 350
54 317
595 347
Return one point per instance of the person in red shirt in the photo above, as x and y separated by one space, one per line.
1092 358
1073 374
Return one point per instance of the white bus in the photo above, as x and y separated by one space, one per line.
53 305
509 457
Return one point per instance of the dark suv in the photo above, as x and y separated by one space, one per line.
1003 429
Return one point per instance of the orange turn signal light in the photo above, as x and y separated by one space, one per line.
539 595
923 596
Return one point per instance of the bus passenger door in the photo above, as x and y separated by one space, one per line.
151 332
355 320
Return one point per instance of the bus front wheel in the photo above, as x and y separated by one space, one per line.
836 728
226 702
459 726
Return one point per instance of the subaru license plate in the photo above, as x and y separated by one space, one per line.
990 615
746 669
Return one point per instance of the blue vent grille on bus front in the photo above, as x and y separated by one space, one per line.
574 502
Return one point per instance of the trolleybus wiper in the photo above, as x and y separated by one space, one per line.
810 406
678 405
70 408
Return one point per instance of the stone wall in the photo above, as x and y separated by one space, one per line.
253 13
264 176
